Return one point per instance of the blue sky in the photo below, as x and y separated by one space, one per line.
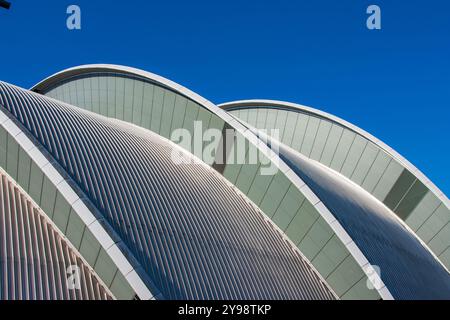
394 82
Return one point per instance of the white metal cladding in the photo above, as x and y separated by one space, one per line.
408 267
35 257
59 77
368 162
346 124
64 186
194 234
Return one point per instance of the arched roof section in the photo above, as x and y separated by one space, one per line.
159 208
45 183
95 88
36 264
360 157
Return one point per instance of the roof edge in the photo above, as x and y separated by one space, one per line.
298 107
237 125
114 249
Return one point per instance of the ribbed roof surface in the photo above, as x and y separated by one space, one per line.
34 257
407 267
194 234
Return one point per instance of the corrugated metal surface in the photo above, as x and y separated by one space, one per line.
34 257
362 158
194 234
408 268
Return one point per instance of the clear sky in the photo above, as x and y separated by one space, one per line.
393 82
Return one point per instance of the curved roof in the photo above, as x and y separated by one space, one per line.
42 257
73 214
361 158
297 107
48 82
160 209
407 266
322 207
356 257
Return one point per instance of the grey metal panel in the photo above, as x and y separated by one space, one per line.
194 111
35 182
34 256
408 268
195 235
362 158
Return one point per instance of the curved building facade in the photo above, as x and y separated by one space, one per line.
88 154
362 158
